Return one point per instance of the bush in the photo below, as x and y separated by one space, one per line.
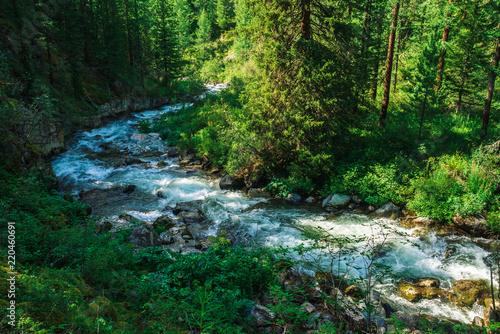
210 290
454 185
39 214
375 182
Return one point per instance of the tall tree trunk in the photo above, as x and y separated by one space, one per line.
83 5
388 67
49 58
439 76
139 46
366 32
305 25
489 95
397 64
398 49
129 35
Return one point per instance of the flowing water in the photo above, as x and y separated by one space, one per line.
408 254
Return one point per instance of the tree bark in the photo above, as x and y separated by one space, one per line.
397 64
129 35
439 76
489 95
388 67
366 32
305 24
49 58
83 12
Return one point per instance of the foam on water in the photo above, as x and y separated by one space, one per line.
408 255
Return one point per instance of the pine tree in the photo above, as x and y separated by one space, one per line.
491 89
298 106
165 45
388 67
225 13
184 15
467 58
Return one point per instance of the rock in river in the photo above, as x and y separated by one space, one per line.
427 288
469 291
389 211
335 201
229 182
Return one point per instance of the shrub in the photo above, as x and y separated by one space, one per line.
215 288
375 182
454 185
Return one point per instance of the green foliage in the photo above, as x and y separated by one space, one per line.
454 185
283 187
289 315
375 182
26 199
214 287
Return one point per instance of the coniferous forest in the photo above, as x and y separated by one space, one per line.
250 166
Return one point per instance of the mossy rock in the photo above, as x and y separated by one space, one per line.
423 288
410 292
469 291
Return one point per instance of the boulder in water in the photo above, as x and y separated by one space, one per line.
475 226
335 201
356 199
258 193
163 223
389 211
229 182
260 205
310 200
129 189
467 291
427 288
129 160
162 163
189 206
187 158
173 152
139 137
478 321
293 198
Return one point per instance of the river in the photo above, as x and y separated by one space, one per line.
407 253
